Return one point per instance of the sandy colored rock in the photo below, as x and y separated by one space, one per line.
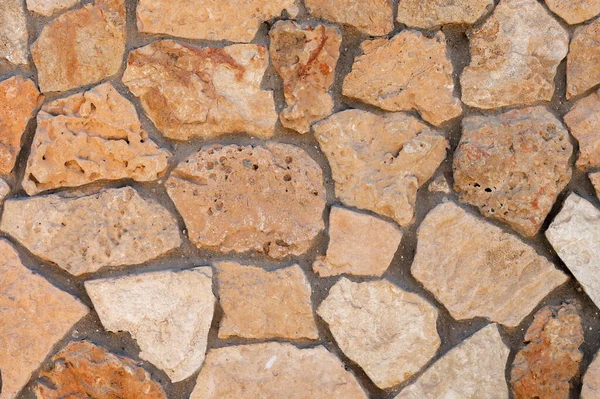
512 166
574 11
472 369
545 366
49 7
439 185
388 332
274 370
583 121
407 72
583 62
359 244
591 380
477 270
268 199
81 47
595 179
373 17
434 13
259 304
305 57
514 56
81 235
202 91
233 20
4 190
13 32
34 315
84 370
379 162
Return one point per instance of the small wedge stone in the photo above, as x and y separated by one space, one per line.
575 11
434 13
591 380
595 179
4 190
373 17
583 62
49 7
13 32
439 185
583 121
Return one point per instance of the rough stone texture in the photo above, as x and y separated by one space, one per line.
379 162
544 367
34 315
513 166
389 332
407 72
233 20
84 370
591 380
434 13
595 179
258 304
439 185
305 57
49 7
268 199
81 235
359 244
4 190
274 370
477 270
167 313
583 121
514 56
81 47
574 11
473 369
13 32
202 91
583 62
373 17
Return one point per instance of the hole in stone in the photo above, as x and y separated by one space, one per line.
287 177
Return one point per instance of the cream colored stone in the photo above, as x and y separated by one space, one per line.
439 185
4 190
476 270
379 162
583 62
407 72
388 332
591 380
595 179
373 17
13 32
574 11
49 7
434 13
583 121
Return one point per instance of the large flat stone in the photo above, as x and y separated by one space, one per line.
434 13
13 32
583 121
583 62
591 380
574 11
373 17
49 7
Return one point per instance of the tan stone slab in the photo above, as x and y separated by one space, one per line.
13 32
583 121
49 7
595 179
373 17
434 13
574 11
591 380
583 62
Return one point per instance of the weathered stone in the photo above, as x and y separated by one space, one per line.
84 370
268 199
91 136
373 17
234 20
359 244
477 270
514 56
434 13
305 57
4 190
274 370
167 313
259 304
473 369
49 7
202 91
583 121
439 185
34 315
81 235
591 380
389 332
595 179
574 11
544 367
583 62
81 47
407 72
13 32
512 166
379 162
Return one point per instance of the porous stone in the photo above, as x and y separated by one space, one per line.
4 190
574 11
305 57
84 370
512 166
583 62
359 244
477 270
13 32
268 199
203 92
49 7
81 235
583 121
545 366
274 370
407 72
434 13
233 20
439 185
373 17
379 162
258 304
167 313
388 332
34 315
81 47
514 56
591 380
473 369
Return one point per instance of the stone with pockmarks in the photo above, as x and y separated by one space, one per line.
583 121
434 13
373 17
591 380
49 7
13 32
574 11
583 62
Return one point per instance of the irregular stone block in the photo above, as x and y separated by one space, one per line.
595 179
574 11
373 17
13 32
434 13
439 185
591 380
583 62
49 7
4 190
583 121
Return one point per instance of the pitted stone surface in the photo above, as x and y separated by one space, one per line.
583 62
13 32
373 17
434 13
49 7
591 380
574 11
583 121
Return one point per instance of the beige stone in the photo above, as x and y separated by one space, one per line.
439 185
359 244
407 72
274 370
477 270
268 199
591 380
574 11
388 332
13 32
305 57
81 47
583 62
373 17
258 304
49 7
583 121
34 315
202 91
514 56
4 190
81 235
233 20
434 13
379 162
595 179
512 166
